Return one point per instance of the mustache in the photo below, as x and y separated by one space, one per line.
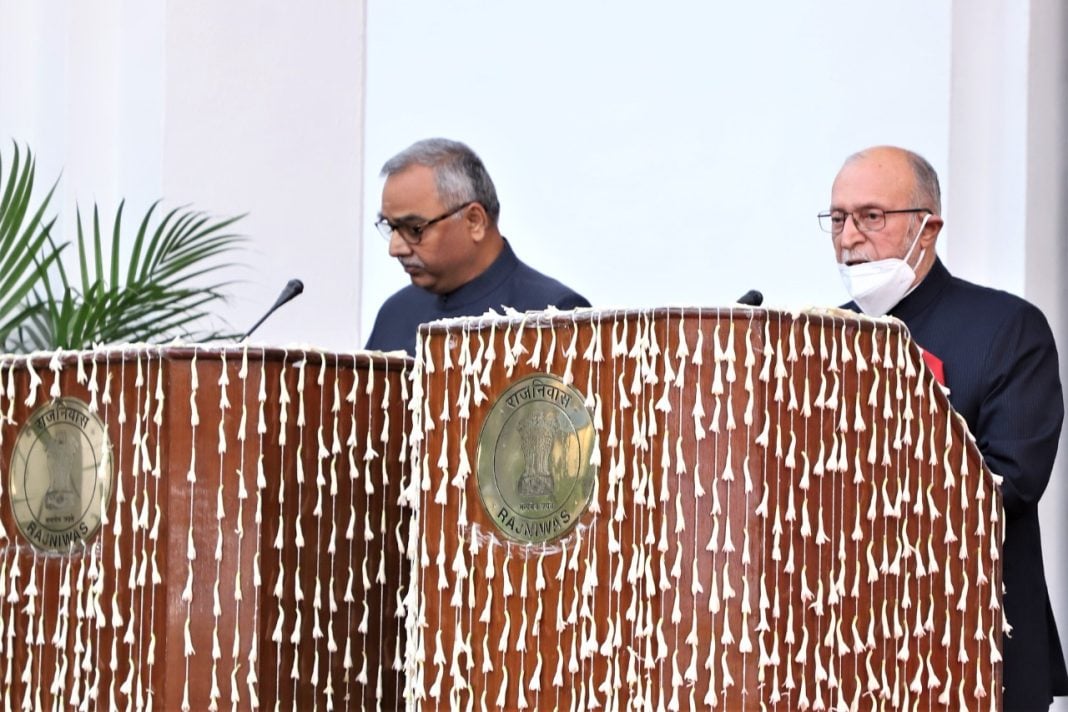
409 262
849 255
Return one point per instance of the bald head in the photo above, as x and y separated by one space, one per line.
925 191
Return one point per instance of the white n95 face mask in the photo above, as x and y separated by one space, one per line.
878 286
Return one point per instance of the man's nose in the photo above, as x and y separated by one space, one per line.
398 246
851 234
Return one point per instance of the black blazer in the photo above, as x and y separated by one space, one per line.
508 282
1000 365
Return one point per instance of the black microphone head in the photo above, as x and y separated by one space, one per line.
293 288
752 298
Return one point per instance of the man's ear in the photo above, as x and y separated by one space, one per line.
477 222
931 231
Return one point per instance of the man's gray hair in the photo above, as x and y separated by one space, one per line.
458 173
926 193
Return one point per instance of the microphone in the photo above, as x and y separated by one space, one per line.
752 298
292 289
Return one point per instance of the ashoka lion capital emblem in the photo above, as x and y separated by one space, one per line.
61 476
545 444
534 472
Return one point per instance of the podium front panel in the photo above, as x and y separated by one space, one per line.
250 550
786 514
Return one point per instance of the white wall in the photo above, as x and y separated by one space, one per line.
236 107
264 114
81 85
653 154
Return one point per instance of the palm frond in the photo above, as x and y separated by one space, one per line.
155 294
27 251
161 297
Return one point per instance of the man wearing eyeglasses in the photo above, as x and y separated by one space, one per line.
995 353
439 214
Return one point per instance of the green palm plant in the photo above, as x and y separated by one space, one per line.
156 294
26 248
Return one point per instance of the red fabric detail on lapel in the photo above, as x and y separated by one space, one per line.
934 364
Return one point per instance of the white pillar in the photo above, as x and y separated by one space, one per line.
1046 255
264 115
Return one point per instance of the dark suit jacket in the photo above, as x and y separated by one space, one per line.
1000 365
506 283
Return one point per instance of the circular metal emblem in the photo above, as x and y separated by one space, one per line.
534 472
61 475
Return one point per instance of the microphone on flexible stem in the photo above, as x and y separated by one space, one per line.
292 289
752 298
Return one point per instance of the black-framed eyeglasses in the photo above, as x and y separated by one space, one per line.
413 234
866 219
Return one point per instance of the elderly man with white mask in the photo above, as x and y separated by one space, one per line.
994 352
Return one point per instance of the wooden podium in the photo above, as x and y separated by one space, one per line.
249 553
786 514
